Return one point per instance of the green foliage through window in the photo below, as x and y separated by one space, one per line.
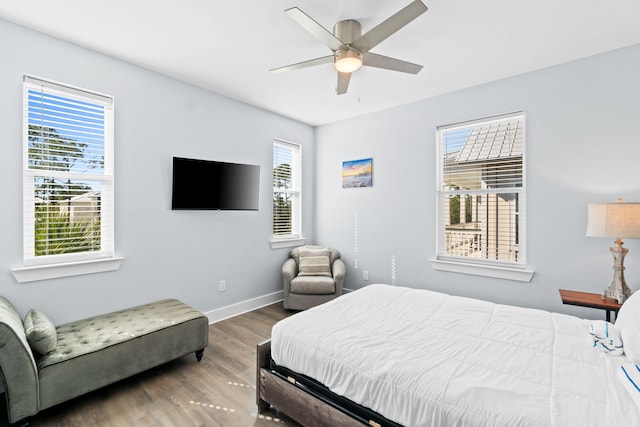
56 233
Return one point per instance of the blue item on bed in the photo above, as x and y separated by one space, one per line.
606 338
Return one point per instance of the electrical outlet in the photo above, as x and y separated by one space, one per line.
365 276
222 285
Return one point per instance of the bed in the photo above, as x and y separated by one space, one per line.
387 355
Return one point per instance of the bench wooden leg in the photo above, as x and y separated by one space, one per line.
199 354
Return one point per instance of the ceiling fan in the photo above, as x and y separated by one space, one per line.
351 49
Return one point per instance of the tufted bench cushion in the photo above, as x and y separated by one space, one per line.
103 349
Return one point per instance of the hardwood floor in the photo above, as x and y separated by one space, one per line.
218 391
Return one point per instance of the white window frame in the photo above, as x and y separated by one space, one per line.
295 237
505 269
68 264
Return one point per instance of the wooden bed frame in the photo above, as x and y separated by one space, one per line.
297 404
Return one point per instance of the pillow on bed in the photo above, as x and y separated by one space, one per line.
314 263
41 333
628 323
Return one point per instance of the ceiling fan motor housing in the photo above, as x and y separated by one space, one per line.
347 31
348 59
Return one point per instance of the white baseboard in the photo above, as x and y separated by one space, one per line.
243 307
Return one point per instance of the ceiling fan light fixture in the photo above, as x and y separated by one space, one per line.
347 61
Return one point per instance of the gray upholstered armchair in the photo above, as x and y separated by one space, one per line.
312 275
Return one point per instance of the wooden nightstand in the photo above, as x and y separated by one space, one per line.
588 299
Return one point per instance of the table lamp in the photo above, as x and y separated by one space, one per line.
618 220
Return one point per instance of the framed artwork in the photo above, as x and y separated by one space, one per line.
357 173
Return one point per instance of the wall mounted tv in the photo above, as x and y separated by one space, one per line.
210 185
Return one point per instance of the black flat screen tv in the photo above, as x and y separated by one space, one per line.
211 185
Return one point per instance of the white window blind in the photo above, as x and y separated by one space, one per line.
481 191
67 173
286 190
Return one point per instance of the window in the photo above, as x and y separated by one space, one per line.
286 191
481 192
67 175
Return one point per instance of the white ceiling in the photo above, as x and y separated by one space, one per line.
229 46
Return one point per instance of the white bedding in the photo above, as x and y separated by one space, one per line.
423 358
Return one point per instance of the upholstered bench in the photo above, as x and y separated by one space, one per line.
93 352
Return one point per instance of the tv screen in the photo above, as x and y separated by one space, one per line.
210 185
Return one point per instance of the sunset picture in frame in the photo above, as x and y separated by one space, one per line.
357 173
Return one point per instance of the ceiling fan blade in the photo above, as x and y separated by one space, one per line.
343 83
392 24
303 64
380 61
316 30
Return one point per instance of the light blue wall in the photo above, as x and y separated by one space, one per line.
167 253
583 145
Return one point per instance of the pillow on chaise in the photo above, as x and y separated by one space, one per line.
40 331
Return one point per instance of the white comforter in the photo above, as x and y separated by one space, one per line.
424 358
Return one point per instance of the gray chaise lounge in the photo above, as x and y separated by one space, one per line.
94 352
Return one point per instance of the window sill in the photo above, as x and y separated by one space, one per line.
54 271
500 272
286 243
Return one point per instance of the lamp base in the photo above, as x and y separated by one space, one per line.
619 296
618 288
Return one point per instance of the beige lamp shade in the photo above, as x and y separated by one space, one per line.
619 220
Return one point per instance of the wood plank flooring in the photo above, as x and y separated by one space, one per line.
219 391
